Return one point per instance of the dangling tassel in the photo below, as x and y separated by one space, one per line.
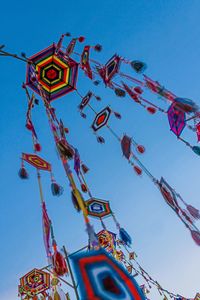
120 92
56 189
125 237
126 146
35 297
97 98
96 82
138 90
84 116
151 110
92 235
84 188
75 202
138 66
37 147
117 115
56 296
137 170
81 39
84 168
196 150
59 263
196 236
140 149
100 140
23 174
193 211
97 47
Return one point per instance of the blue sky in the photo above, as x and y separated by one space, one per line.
165 34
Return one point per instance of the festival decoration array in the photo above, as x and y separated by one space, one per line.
106 270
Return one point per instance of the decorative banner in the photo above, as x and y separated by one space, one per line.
107 240
34 283
101 118
36 161
98 208
101 277
56 73
110 69
176 119
169 195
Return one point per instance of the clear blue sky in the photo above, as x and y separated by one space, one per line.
165 34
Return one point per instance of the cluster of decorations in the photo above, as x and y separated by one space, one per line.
108 268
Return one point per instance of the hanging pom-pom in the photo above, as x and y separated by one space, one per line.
98 98
137 170
125 237
196 149
66 130
138 90
117 115
56 296
35 297
68 34
84 168
140 149
36 101
59 264
98 47
151 110
23 173
75 202
100 140
81 39
65 149
84 188
196 236
194 212
138 66
120 92
92 235
83 115
96 82
23 55
37 147
56 189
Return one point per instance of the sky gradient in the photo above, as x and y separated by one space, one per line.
165 34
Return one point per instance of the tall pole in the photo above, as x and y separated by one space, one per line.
71 273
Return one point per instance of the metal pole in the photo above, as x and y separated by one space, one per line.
71 273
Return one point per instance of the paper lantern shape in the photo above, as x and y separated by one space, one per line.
56 73
107 240
36 161
101 119
176 119
98 208
34 283
101 277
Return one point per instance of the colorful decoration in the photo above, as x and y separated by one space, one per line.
176 119
56 73
33 283
98 208
110 69
107 240
101 118
36 161
101 277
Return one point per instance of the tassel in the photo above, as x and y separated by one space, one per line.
56 296
92 235
126 146
125 237
138 90
23 173
37 147
196 149
36 101
196 236
84 116
84 168
117 115
59 264
81 39
56 189
120 92
137 170
96 82
138 66
194 212
98 48
100 140
65 149
75 202
98 98
23 55
151 110
35 297
140 149
84 188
